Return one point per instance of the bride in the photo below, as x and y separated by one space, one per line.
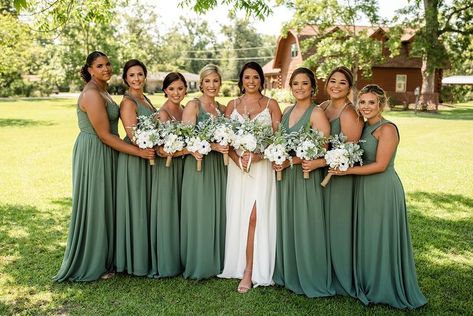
250 241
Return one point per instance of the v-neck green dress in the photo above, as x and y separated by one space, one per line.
134 178
203 214
91 241
383 259
302 263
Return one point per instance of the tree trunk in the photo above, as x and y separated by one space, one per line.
428 98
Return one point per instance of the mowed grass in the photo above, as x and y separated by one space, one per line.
434 161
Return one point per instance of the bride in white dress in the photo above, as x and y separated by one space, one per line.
250 240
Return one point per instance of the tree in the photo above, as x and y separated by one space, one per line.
257 7
337 41
437 20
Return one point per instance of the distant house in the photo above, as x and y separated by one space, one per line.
398 76
154 81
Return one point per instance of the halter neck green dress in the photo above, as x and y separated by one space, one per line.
338 196
302 263
383 260
164 220
203 214
134 177
91 241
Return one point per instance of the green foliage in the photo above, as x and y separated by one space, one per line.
336 41
229 89
280 95
259 8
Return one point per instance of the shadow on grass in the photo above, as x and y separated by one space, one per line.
34 240
460 112
23 123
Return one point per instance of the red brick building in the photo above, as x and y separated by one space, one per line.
398 76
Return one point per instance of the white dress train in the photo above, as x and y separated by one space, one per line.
244 190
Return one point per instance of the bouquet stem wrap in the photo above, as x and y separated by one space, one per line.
326 180
278 175
168 161
225 159
306 175
199 165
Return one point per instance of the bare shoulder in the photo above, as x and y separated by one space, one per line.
388 130
287 108
324 104
127 103
350 113
91 98
192 105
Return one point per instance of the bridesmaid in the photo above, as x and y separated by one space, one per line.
166 189
250 241
203 192
339 193
89 253
302 263
383 260
134 179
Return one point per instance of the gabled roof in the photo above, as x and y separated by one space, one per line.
268 68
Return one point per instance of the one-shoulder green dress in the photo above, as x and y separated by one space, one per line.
164 220
302 263
203 214
383 260
91 241
338 196
134 178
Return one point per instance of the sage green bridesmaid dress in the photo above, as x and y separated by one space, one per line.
164 220
302 263
134 178
203 214
339 218
91 241
383 260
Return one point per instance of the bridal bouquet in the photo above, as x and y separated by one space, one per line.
173 138
342 155
145 133
251 136
223 134
198 140
310 145
281 144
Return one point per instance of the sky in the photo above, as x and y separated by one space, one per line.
169 12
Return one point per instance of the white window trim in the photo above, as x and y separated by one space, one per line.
401 79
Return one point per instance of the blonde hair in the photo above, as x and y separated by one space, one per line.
378 92
207 70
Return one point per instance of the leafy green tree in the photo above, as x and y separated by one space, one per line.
259 8
437 21
342 45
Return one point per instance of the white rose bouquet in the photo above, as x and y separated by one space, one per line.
251 136
173 138
198 140
145 133
342 155
223 134
310 145
281 144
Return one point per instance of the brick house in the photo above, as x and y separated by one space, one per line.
398 76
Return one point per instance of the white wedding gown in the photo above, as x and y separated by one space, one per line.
243 191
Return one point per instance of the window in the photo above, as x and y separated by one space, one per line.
293 50
401 83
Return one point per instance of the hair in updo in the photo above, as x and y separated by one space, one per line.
132 63
343 70
170 78
84 72
309 73
207 70
378 92
256 67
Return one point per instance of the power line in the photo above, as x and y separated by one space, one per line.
225 49
236 58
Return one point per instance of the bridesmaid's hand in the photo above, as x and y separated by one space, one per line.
197 155
160 152
336 172
147 153
281 167
219 148
247 156
309 165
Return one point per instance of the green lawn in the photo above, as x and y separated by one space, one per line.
434 161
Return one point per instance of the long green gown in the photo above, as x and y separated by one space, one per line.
134 178
302 263
338 196
164 219
383 260
203 214
91 241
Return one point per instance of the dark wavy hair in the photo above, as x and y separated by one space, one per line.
255 66
84 72
309 73
343 70
170 78
132 63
